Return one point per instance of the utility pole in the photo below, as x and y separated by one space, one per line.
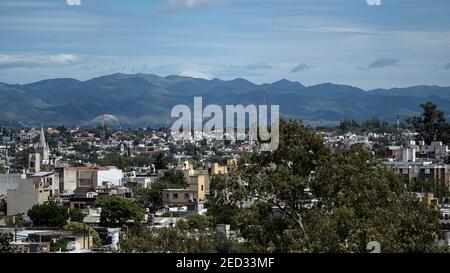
84 235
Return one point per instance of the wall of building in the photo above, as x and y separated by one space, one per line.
9 181
197 184
70 179
176 197
112 175
87 178
23 198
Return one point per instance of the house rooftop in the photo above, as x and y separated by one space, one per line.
42 174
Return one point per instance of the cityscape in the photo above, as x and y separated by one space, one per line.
73 189
224 127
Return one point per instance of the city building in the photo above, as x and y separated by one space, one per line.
38 189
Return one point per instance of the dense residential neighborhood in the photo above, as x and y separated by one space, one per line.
98 189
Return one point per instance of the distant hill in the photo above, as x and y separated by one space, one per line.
141 100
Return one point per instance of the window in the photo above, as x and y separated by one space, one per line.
85 182
186 195
167 195
175 196
427 171
405 171
202 187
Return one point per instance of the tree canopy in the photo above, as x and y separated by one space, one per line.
305 198
431 124
177 240
48 215
118 211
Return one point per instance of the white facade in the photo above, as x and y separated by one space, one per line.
110 176
69 180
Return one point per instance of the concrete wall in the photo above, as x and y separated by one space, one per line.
23 198
9 181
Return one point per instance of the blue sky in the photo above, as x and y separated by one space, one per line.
395 44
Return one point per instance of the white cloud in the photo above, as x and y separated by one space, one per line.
195 74
24 61
374 2
63 58
176 5
73 2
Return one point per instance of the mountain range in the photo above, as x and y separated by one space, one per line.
141 100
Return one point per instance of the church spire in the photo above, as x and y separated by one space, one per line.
42 142
43 149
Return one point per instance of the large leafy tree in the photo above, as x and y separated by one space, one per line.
305 198
279 178
359 202
118 211
431 124
48 215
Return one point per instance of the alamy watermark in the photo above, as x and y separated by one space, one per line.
240 123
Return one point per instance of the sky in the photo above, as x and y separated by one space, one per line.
364 43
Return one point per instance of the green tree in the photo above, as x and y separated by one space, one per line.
118 211
3 206
348 125
309 199
2 169
431 125
359 202
177 240
440 190
151 197
279 178
48 215
114 159
161 161
21 160
76 215
222 213
174 180
198 222
5 243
